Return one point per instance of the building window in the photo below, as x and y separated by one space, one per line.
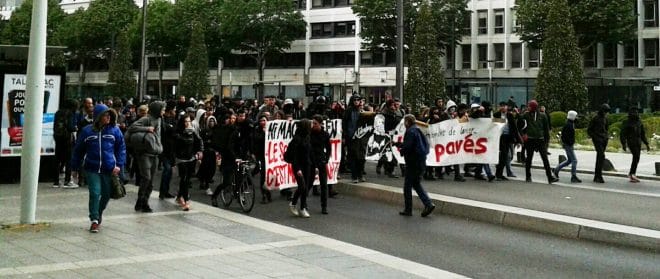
482 49
372 58
333 29
590 57
516 55
650 13
467 56
483 21
651 52
499 55
287 60
331 3
467 24
534 58
300 4
333 59
609 55
499 21
630 54
515 23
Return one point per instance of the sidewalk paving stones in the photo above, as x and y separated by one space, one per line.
203 243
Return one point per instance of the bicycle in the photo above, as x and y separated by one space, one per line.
241 187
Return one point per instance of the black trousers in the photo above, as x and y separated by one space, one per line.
323 182
228 170
536 145
505 142
186 171
600 146
304 184
63 149
635 150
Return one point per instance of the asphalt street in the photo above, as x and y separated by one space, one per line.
471 248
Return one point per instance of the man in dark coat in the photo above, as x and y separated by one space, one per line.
414 149
599 136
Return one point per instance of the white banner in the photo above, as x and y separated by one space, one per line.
279 174
474 142
13 100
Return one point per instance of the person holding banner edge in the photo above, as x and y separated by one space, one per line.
414 149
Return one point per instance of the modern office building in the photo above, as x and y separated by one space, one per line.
491 63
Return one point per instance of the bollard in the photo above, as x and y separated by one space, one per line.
657 168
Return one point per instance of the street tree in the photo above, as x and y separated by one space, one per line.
195 80
594 21
185 14
77 36
426 80
17 29
110 16
260 28
162 37
560 84
121 76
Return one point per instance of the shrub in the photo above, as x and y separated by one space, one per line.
616 117
557 119
583 120
651 125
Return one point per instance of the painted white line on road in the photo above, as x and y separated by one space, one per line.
594 188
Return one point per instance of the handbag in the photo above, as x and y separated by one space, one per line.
118 189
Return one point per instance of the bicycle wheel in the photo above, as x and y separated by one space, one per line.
227 195
246 194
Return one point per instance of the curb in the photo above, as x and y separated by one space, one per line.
607 173
516 217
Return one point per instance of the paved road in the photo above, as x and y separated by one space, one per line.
466 247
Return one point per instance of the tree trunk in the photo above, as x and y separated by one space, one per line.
260 86
160 76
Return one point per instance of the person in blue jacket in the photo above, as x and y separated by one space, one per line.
101 152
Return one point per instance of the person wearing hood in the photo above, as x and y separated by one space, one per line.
632 136
599 136
567 141
350 126
199 120
208 165
101 151
147 162
189 146
535 128
167 157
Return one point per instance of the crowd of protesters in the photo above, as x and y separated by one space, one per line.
193 135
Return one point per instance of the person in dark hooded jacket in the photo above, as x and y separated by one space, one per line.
599 136
535 126
632 136
147 162
100 150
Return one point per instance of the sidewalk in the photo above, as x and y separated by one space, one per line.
204 243
587 161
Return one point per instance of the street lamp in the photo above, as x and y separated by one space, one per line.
142 81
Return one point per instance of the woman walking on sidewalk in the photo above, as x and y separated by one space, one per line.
633 135
302 166
189 144
567 141
101 150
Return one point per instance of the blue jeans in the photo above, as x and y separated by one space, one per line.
100 189
166 176
413 181
572 159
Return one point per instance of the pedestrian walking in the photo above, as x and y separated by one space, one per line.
599 136
301 147
567 142
414 149
632 136
63 133
321 150
535 129
147 161
189 145
101 151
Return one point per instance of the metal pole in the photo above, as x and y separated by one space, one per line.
33 112
143 65
399 48
219 77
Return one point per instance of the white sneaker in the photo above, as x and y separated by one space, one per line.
70 185
56 185
304 213
293 210
209 192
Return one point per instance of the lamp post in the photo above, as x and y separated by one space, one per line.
399 48
490 80
142 80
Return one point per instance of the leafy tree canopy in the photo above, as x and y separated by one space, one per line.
17 29
594 21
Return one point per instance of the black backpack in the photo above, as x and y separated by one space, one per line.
289 153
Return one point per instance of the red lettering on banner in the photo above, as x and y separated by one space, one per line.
469 144
439 151
332 167
481 146
335 148
270 153
280 175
